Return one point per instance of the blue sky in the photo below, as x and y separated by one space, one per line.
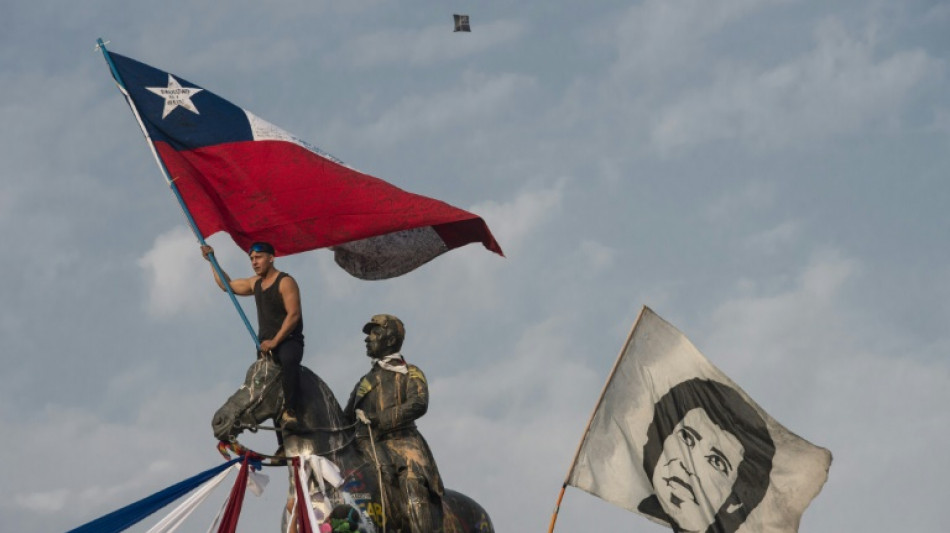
768 175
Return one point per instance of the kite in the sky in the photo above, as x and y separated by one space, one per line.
461 23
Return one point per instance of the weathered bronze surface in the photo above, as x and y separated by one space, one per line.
324 430
392 397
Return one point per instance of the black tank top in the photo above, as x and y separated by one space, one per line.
271 311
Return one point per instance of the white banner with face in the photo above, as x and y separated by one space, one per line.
674 439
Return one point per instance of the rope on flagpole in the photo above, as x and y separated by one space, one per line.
101 46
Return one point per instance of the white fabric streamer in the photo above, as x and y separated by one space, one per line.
175 518
303 475
217 517
257 482
324 472
324 469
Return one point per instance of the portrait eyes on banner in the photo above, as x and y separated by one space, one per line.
708 456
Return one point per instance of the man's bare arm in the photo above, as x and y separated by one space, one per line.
241 287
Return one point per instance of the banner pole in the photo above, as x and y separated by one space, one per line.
590 421
557 507
100 45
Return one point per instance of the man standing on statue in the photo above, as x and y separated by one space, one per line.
388 400
280 324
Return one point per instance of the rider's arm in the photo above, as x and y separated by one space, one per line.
349 413
290 293
241 287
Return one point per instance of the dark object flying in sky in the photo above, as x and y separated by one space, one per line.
461 23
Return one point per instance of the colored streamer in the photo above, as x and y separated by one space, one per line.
235 501
134 513
305 518
175 518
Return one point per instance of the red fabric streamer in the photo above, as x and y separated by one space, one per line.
233 511
303 516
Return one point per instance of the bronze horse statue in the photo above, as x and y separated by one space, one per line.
322 430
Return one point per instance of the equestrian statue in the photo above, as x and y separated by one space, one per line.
390 482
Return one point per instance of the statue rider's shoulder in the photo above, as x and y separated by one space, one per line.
416 373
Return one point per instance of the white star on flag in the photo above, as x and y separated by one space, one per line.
176 96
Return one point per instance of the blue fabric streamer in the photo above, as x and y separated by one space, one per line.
134 513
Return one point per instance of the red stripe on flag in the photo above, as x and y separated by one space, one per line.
456 234
282 193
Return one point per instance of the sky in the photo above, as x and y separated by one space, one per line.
770 176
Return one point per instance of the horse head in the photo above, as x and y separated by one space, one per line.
259 398
321 429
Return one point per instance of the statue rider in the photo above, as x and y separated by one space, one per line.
388 400
280 324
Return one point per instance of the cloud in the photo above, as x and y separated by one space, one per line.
765 329
773 240
8 198
753 196
175 277
859 386
520 418
471 278
658 38
248 55
938 14
600 256
85 457
513 222
427 46
48 501
475 99
838 87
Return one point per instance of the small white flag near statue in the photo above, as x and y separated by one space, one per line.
674 439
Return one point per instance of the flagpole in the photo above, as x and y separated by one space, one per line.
603 392
557 506
100 45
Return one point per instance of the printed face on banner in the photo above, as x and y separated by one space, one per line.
708 456
697 470
676 441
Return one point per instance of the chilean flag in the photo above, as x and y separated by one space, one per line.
241 174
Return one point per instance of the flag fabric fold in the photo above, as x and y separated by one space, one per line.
674 439
240 174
